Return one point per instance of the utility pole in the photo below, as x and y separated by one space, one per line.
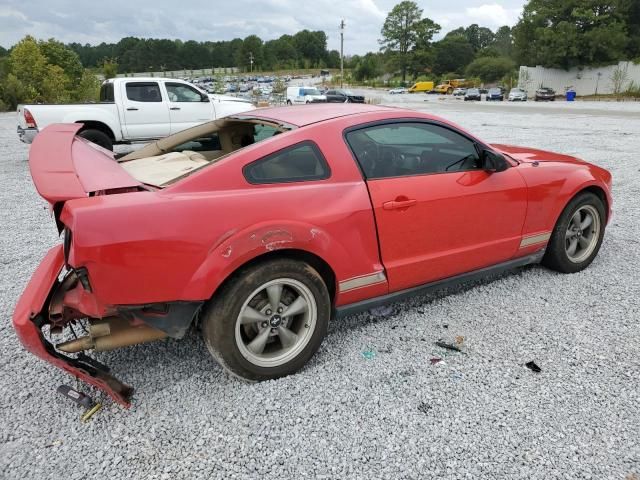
251 60
341 52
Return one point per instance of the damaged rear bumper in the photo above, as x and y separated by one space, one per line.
49 299
29 318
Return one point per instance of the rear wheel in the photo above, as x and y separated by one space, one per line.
98 137
269 320
577 236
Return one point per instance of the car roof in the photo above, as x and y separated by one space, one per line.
308 114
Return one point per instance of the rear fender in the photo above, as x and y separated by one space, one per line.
236 248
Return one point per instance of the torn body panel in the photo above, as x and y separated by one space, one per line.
58 303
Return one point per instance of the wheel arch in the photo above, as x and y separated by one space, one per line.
312 259
97 125
598 192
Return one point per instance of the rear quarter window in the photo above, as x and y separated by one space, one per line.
302 162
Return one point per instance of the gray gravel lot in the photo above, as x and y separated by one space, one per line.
481 414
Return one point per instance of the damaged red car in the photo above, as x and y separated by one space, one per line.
263 226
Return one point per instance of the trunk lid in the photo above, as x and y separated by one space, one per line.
64 166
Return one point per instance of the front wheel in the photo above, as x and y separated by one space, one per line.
268 320
577 236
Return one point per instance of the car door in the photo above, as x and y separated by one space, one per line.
188 107
146 115
437 212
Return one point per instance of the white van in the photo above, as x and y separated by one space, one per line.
300 95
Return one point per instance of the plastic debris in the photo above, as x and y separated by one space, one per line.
55 443
459 340
436 361
86 416
382 311
533 367
456 377
448 346
369 354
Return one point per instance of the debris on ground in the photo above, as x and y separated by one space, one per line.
383 311
424 407
55 443
533 367
369 354
448 346
436 361
459 340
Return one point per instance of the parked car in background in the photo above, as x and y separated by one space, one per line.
472 94
133 110
303 95
398 90
421 87
459 92
483 91
312 213
517 95
494 94
343 96
545 94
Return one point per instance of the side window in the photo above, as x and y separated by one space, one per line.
106 92
143 92
299 163
404 149
179 92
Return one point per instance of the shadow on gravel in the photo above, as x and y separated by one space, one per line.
419 303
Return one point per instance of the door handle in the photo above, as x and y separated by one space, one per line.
399 203
131 109
174 108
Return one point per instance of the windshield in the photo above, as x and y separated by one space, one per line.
311 91
345 92
516 90
473 91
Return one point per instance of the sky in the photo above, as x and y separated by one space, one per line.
96 21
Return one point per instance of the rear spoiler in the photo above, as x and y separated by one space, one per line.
64 167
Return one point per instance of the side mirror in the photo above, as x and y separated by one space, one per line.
205 98
493 162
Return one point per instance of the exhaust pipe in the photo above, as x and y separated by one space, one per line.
110 334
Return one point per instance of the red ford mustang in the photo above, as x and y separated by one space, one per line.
261 227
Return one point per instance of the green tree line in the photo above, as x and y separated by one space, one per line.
551 33
305 49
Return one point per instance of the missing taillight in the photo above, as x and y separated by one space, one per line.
29 120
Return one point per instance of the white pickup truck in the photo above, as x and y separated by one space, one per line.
133 110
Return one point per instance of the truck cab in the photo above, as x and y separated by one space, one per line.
136 109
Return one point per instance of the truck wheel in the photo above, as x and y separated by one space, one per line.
98 137
577 236
269 320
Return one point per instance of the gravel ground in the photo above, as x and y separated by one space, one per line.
370 404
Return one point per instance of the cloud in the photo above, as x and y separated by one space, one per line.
493 15
91 22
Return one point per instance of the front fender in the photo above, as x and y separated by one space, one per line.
236 248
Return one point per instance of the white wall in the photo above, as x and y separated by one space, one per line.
583 81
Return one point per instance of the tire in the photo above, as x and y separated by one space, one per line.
98 137
245 297
566 233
